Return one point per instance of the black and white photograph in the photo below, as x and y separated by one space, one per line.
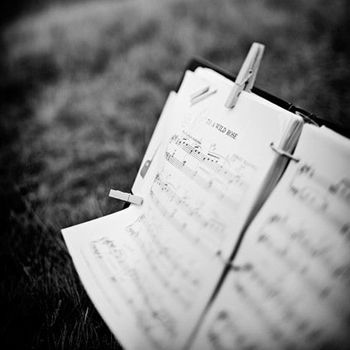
175 175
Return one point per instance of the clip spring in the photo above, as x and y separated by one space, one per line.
305 116
283 153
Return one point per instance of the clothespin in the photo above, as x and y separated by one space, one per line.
126 197
247 75
202 94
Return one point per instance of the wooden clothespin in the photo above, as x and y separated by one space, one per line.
126 197
202 94
247 74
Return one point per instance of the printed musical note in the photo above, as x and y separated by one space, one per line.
301 252
190 217
224 333
170 269
163 260
327 197
153 317
226 178
342 190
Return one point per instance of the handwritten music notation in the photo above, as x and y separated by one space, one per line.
331 199
190 218
225 177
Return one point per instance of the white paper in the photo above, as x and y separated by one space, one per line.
211 171
169 119
147 282
151 270
154 144
291 285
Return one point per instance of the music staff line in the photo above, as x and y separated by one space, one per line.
339 190
252 302
268 292
334 272
207 184
143 316
213 160
203 233
224 327
121 291
298 236
181 295
178 225
208 170
288 315
207 223
161 248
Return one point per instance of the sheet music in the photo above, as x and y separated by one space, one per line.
290 287
147 282
151 270
213 164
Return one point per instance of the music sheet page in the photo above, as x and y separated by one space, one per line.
151 270
290 282
149 284
210 163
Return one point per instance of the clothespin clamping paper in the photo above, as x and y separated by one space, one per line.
247 74
202 94
126 197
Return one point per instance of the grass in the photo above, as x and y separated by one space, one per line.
82 87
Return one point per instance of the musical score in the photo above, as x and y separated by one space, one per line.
152 270
320 262
294 295
165 261
329 198
277 301
148 257
307 247
153 316
188 216
225 177
163 265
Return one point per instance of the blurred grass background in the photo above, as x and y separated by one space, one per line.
82 86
